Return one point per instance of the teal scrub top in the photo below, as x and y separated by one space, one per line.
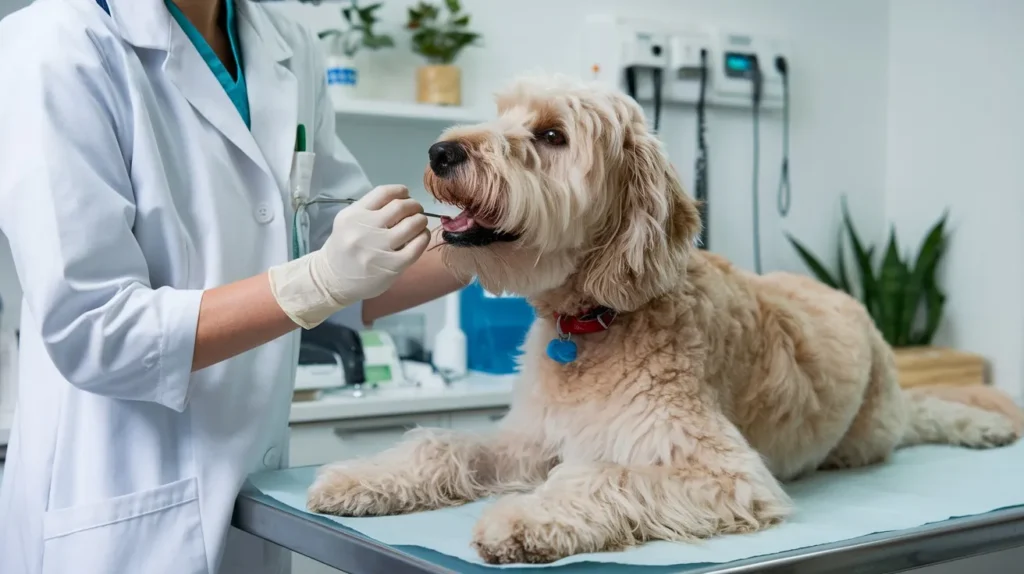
235 87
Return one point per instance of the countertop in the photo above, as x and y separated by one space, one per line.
475 391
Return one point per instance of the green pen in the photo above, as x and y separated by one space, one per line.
300 138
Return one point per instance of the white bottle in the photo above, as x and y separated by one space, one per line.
449 356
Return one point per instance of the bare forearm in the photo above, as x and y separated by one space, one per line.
423 281
235 318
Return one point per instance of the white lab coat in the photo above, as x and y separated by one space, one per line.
128 185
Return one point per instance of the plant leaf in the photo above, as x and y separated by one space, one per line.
843 280
869 285
461 21
923 274
892 281
935 301
812 263
453 6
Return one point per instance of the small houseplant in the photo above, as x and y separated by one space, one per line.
343 45
440 42
904 299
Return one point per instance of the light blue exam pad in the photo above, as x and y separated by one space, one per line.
920 485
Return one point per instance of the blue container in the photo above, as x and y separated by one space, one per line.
495 328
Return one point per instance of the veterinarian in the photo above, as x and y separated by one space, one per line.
150 157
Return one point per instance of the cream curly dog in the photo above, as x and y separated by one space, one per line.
696 387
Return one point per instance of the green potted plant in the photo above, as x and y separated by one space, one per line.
440 42
343 45
904 299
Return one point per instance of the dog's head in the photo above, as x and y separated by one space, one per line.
567 188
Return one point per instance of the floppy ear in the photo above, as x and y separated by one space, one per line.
644 246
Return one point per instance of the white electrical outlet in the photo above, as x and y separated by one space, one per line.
683 76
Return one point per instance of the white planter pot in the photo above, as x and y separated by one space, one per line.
342 77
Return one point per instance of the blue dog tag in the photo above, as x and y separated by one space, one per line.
562 351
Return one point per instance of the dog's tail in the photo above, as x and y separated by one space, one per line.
975 417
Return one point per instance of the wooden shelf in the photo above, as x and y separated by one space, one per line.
409 111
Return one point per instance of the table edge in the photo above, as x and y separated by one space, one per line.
888 551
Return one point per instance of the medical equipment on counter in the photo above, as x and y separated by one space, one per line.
381 363
330 356
495 328
449 356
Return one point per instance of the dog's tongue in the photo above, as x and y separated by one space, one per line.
459 223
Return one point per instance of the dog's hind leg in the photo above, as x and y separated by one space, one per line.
719 486
880 423
429 469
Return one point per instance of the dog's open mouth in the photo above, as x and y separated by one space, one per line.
470 230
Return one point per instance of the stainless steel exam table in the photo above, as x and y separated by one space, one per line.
330 543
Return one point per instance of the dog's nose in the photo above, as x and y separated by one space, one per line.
446 155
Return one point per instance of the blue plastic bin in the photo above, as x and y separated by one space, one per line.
495 327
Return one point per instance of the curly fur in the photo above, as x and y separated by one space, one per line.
680 422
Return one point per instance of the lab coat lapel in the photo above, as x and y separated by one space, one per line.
273 91
188 71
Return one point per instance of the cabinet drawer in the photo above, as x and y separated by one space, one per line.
331 441
482 420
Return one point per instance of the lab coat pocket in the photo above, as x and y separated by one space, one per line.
154 531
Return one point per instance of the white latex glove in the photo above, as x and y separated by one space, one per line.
372 242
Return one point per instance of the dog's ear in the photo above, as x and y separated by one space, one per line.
644 246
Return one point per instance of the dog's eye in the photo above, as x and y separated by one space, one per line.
553 137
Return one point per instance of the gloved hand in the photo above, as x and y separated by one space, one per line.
372 242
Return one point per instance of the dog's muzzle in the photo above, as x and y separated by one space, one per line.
445 158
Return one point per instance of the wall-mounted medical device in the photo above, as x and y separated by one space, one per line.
746 63
612 46
660 63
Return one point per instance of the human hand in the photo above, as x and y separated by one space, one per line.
371 243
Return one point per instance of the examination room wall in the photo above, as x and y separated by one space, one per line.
955 139
838 119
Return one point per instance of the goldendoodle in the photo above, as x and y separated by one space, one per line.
663 393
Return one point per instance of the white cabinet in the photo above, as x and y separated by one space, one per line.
330 441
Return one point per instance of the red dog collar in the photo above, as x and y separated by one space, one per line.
591 321
563 350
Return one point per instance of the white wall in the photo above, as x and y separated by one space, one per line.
956 138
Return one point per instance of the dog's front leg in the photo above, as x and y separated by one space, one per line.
429 469
714 486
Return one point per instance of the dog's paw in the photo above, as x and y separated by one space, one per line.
510 532
343 492
987 430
